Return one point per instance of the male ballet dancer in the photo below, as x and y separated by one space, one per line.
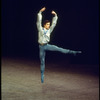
44 37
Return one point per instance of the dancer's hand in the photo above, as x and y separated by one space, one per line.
54 13
43 9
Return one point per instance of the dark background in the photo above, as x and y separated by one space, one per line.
77 29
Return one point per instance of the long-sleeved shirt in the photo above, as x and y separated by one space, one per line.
43 34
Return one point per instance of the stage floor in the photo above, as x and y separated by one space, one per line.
21 80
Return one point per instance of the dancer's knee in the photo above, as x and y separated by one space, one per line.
42 61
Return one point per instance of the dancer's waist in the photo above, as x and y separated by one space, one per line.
43 44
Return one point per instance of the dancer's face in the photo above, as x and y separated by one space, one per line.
47 25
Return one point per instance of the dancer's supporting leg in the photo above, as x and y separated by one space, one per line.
42 60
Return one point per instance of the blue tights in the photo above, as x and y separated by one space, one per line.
49 47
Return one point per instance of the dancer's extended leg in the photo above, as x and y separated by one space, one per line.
56 48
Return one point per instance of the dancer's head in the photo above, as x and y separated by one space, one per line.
46 24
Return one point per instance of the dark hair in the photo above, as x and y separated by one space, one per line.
46 21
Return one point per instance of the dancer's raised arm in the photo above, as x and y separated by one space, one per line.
39 19
54 20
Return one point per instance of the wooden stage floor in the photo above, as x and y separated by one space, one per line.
21 80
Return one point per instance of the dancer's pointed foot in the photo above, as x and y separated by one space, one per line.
79 51
75 52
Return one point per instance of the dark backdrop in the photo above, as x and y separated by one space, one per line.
77 28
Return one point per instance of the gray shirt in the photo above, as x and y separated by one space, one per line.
42 36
